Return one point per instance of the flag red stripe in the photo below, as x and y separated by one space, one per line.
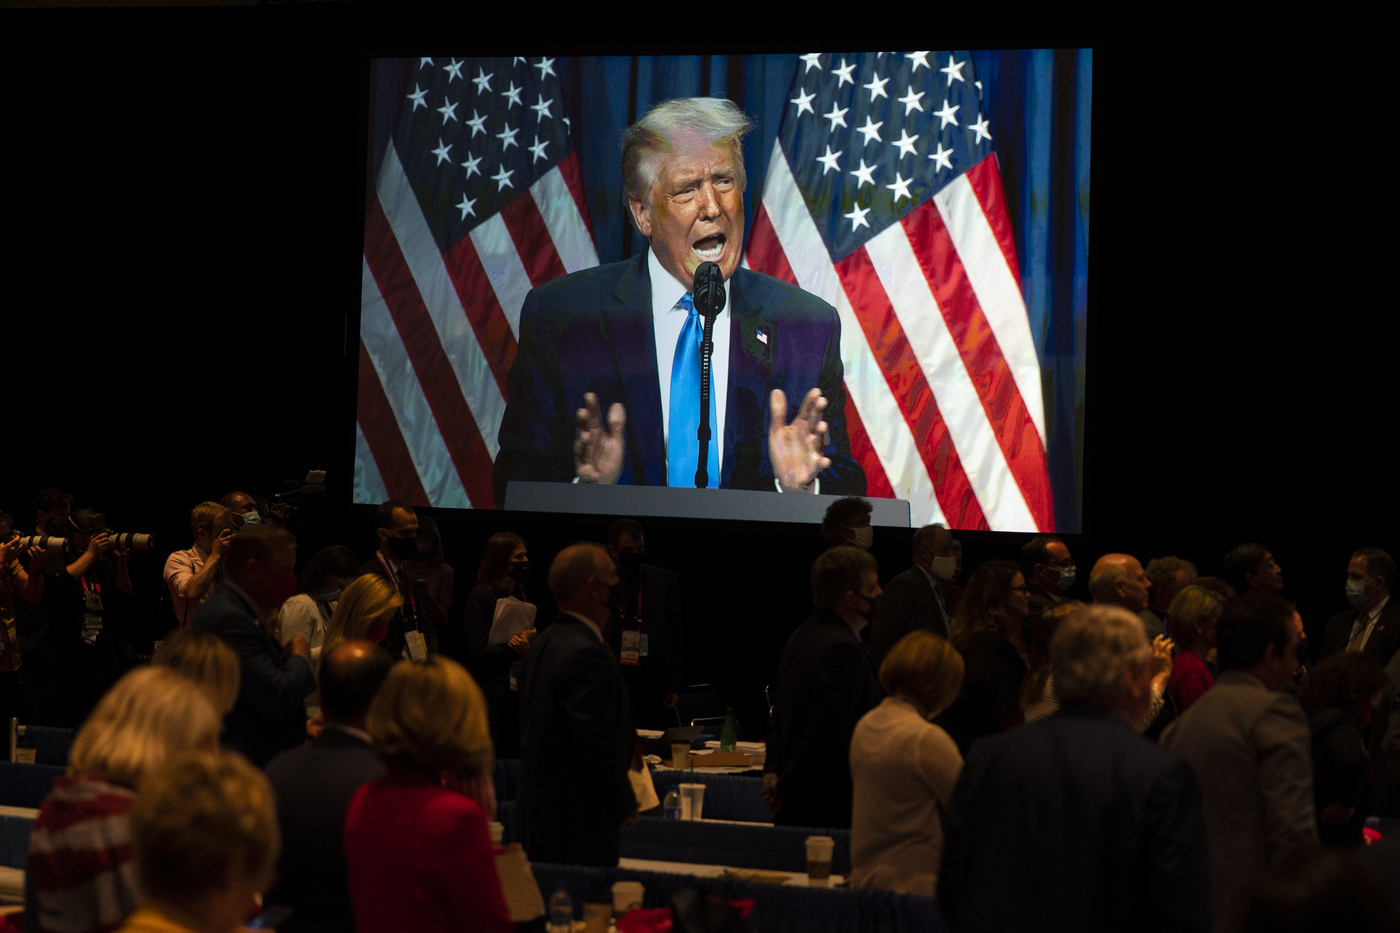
415 326
876 482
532 241
985 180
483 311
381 432
981 354
569 171
765 252
911 390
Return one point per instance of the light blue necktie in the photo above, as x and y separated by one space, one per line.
682 447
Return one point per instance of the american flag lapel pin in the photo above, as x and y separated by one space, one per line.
762 337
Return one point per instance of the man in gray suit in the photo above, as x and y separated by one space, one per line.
1249 741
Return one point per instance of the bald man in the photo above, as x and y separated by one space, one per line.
1119 580
576 722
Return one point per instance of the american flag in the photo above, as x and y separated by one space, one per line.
883 198
477 199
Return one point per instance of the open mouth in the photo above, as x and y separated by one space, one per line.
710 248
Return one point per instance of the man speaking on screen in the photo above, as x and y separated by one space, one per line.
606 385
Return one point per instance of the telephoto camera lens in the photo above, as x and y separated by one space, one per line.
50 543
130 541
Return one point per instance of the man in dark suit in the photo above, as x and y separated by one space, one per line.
1050 572
915 599
1373 626
576 743
645 629
624 339
270 715
1075 823
314 784
825 684
411 631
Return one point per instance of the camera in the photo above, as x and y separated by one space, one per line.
128 541
51 543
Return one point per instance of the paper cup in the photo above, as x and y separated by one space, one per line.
692 800
597 911
498 832
626 895
819 850
680 755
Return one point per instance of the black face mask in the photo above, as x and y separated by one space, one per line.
630 564
873 612
404 548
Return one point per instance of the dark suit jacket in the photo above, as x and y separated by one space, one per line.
314 785
575 747
270 714
592 331
489 664
1384 640
394 642
1075 823
660 621
825 684
909 603
991 693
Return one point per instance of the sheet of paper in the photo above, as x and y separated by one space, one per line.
512 617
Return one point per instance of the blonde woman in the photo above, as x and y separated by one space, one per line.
1194 613
80 868
206 840
903 769
202 657
363 613
416 844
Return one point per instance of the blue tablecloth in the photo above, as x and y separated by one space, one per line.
507 777
727 796
777 908
775 848
51 744
26 785
14 840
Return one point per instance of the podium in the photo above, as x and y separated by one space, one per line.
681 502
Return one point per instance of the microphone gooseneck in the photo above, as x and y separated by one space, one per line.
707 290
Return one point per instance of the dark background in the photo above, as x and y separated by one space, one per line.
180 231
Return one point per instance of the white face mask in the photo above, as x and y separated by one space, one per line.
944 567
862 537
252 518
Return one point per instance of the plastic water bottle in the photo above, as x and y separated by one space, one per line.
673 805
729 736
561 911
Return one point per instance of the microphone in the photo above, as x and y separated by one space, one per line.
707 291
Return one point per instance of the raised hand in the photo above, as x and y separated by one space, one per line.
598 451
795 450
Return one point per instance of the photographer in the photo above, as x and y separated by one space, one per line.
87 605
16 699
53 507
190 574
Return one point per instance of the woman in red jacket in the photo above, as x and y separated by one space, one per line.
417 847
1193 614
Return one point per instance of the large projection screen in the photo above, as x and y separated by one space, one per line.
934 205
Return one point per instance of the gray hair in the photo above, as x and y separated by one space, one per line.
1092 652
1103 580
716 120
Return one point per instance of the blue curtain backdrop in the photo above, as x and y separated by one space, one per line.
1039 101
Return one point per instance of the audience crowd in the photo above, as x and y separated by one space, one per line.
318 747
